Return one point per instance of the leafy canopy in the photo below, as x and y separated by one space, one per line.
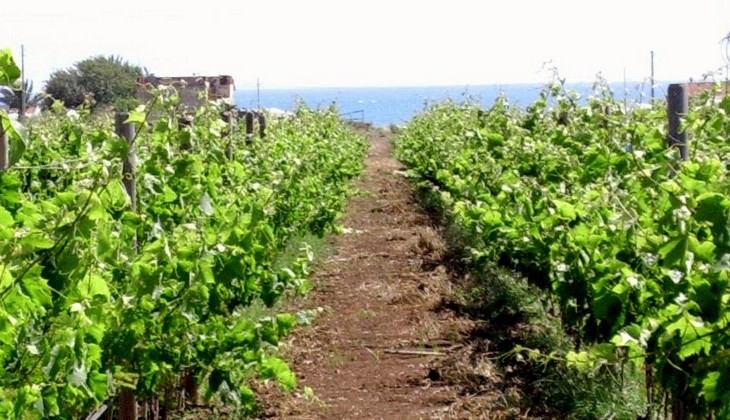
102 80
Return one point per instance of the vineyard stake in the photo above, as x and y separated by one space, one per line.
126 131
249 126
228 118
677 106
4 150
262 125
127 405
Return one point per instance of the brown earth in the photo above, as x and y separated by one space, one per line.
385 346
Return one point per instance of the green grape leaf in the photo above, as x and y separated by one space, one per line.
36 287
9 71
37 240
168 195
704 250
98 383
93 285
96 208
66 198
565 209
118 147
491 218
709 296
114 196
275 368
31 215
694 347
6 219
725 104
712 207
269 333
50 401
580 360
137 116
248 398
206 271
606 306
16 135
674 252
105 245
709 384
6 278
285 323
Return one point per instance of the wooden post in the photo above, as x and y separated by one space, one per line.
677 106
262 125
678 408
127 405
229 118
4 149
190 387
186 124
127 131
249 125
127 399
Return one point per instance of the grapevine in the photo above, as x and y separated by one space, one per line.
587 199
97 297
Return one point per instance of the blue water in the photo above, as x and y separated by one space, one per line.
383 106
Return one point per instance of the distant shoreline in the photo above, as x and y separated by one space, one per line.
383 106
449 86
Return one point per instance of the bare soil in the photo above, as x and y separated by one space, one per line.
385 345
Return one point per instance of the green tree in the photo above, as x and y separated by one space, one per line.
105 80
64 85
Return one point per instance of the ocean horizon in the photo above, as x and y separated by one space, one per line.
383 106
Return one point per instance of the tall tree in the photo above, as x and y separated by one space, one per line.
64 85
105 80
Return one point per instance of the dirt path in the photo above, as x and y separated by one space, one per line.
369 355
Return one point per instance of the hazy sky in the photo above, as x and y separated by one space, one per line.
375 42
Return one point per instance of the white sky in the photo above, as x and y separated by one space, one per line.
289 43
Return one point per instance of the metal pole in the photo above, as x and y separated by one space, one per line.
258 94
22 83
652 76
677 106
626 102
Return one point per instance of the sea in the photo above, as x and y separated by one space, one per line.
384 106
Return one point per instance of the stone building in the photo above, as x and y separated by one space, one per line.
191 88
